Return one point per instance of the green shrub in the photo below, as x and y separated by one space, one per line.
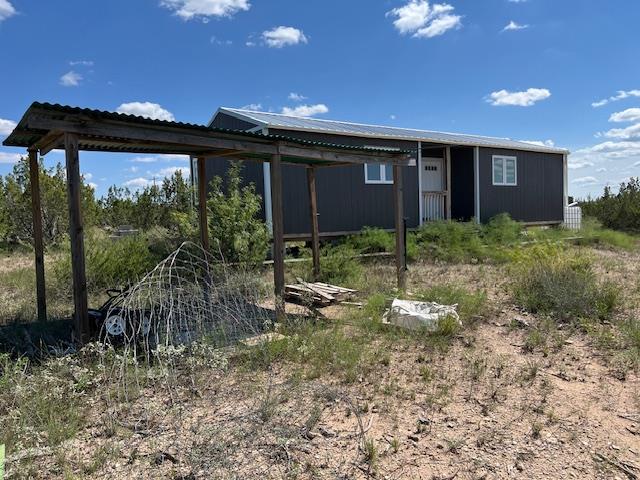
236 230
502 230
450 241
110 263
339 265
564 286
372 240
593 233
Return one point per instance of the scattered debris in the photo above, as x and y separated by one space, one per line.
318 293
414 315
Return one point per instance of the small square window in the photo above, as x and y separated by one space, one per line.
505 170
373 172
377 173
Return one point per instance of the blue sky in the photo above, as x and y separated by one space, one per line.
565 71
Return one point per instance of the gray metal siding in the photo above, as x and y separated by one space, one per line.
462 184
345 202
538 196
222 120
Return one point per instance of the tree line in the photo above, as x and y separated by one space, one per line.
617 211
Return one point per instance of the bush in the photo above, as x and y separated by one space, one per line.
451 241
502 230
340 265
237 233
564 286
110 263
620 211
372 240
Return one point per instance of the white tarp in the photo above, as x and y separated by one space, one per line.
416 315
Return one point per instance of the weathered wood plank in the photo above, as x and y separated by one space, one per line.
38 246
398 209
76 235
278 234
202 203
315 231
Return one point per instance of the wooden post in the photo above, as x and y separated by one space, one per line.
76 235
315 232
36 213
398 209
447 155
202 203
278 233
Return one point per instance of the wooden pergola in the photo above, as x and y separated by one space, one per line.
45 127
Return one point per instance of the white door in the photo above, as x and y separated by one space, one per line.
432 175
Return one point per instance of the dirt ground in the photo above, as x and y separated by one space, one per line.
485 408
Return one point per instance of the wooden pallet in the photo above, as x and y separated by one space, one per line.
318 293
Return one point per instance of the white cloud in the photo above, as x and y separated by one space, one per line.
6 126
420 19
628 115
168 171
83 63
601 169
256 107
540 143
526 98
9 158
306 110
585 181
139 182
283 36
204 9
70 79
296 97
578 165
146 109
93 185
392 117
621 95
6 10
87 175
512 26
160 158
609 150
624 133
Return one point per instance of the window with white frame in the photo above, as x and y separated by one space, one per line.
505 170
378 173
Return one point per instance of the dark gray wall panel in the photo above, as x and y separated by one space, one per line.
538 197
462 184
223 120
345 202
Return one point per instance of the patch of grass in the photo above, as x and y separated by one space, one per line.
564 286
318 351
42 404
471 304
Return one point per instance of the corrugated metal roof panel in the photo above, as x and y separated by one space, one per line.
25 137
290 122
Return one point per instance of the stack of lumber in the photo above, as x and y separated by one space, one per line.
318 293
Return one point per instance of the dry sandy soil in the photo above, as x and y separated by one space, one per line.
482 409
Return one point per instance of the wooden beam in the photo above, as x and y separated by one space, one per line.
38 245
401 267
315 231
278 234
447 156
76 235
50 141
202 203
317 153
112 131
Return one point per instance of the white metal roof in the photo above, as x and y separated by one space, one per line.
291 122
